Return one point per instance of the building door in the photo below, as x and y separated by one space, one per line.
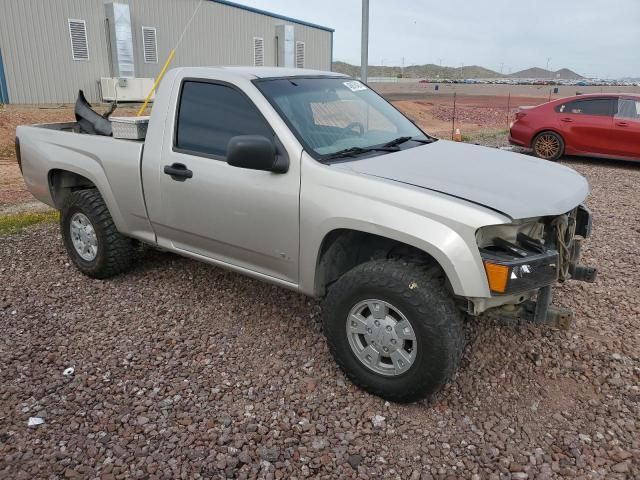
4 92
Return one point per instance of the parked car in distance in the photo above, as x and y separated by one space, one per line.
595 125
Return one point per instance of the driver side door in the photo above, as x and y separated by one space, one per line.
244 218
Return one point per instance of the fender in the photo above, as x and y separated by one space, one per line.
399 212
462 266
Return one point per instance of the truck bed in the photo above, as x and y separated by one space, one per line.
112 164
74 127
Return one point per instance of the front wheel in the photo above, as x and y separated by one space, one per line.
394 329
548 146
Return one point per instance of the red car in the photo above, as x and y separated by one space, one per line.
596 125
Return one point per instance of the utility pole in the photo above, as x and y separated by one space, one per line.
364 42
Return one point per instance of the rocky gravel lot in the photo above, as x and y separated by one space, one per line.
182 370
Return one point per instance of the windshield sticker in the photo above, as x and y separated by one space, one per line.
355 86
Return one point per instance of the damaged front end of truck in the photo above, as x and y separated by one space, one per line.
525 259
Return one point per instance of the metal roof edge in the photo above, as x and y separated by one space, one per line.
271 14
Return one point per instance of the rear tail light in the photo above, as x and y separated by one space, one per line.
520 115
18 154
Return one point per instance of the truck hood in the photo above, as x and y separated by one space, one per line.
517 185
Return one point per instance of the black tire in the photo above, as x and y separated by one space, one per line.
548 146
115 252
420 294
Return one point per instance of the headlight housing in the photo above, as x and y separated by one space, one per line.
515 258
508 274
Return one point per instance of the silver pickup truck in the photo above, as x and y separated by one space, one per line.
311 181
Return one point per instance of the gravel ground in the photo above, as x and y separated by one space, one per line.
183 370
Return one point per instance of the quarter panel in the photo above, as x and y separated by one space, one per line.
111 164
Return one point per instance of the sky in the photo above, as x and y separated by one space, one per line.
596 38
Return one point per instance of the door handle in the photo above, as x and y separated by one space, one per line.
566 120
622 124
178 172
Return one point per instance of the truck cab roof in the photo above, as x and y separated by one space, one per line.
251 73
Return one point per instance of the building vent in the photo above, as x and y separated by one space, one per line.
258 52
299 54
150 45
79 43
285 46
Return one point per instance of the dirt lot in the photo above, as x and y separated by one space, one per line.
537 91
183 370
473 114
479 108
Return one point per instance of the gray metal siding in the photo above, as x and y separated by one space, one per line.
219 35
39 68
34 37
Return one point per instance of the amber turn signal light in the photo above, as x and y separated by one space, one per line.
498 276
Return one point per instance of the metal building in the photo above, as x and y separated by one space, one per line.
115 48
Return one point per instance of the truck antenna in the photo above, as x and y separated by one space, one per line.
166 64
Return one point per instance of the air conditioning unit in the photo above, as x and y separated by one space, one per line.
125 89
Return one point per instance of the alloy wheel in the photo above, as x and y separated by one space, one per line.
547 146
381 337
83 237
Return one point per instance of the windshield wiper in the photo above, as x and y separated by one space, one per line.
352 151
424 140
397 141
391 146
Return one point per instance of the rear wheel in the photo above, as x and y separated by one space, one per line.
394 329
548 146
91 239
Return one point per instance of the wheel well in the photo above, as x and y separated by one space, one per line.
344 249
545 130
62 183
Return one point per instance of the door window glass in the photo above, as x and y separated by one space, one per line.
598 106
211 114
628 109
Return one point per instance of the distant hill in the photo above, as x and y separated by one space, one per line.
417 71
436 71
541 73
567 74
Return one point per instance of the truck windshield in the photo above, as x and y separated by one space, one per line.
340 117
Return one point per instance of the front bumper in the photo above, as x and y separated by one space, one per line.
530 268
516 142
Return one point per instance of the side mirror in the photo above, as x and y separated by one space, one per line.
256 153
